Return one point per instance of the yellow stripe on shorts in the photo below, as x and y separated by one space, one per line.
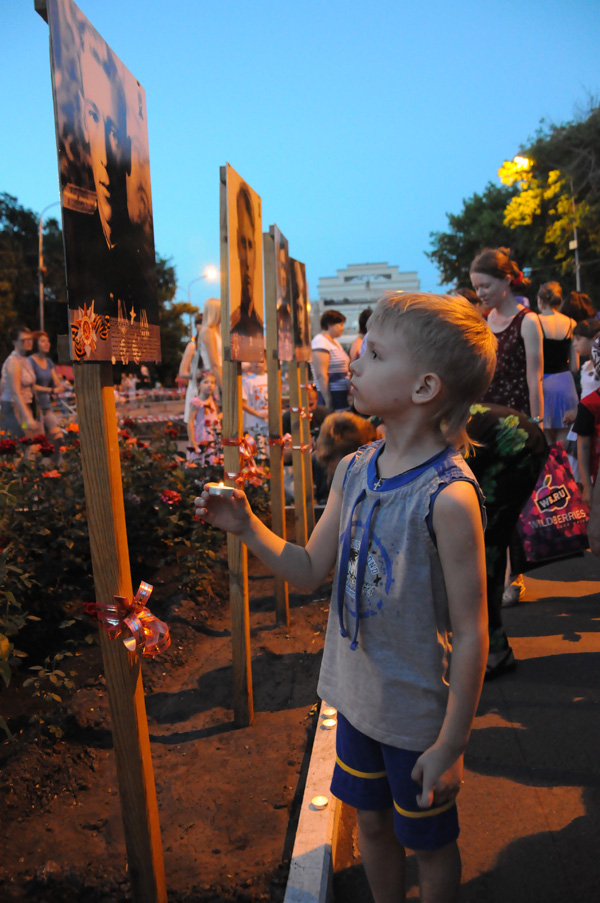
425 813
360 774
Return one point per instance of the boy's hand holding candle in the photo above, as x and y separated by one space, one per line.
224 507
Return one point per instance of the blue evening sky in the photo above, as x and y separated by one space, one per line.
359 123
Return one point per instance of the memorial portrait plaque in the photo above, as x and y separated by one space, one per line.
285 333
245 273
300 311
102 138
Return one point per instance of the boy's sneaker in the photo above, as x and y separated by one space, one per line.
499 663
513 592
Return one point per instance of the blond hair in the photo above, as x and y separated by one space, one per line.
447 335
211 314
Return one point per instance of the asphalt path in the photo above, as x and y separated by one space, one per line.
530 805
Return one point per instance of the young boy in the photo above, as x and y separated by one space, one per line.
403 523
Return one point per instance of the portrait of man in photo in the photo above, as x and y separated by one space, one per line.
245 270
285 338
301 311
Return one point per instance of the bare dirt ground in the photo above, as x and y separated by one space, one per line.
228 797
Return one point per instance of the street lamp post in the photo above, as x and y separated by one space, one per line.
41 260
574 245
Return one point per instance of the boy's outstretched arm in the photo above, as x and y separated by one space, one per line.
459 535
305 568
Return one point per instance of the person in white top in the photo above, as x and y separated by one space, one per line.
18 380
189 367
331 363
211 345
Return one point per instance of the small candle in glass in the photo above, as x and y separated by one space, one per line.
220 489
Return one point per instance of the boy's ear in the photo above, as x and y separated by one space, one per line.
428 387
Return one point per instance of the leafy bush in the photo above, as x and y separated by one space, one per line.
45 564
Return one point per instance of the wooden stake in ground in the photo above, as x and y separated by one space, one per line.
282 608
243 340
307 453
92 317
298 455
302 446
112 577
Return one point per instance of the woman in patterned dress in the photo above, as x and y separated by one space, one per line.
518 380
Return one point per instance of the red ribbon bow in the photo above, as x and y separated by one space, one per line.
146 631
284 441
249 472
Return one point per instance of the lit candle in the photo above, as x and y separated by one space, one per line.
319 802
329 724
329 712
220 489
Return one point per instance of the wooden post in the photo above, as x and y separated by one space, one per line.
243 705
282 606
298 455
110 561
307 454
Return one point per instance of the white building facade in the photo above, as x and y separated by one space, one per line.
357 287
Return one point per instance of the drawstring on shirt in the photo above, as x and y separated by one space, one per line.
363 554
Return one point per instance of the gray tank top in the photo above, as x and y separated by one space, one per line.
388 643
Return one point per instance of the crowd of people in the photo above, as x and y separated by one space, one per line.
429 436
468 392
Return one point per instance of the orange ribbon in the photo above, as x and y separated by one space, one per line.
280 440
146 631
249 471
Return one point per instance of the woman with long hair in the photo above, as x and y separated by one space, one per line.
211 344
517 382
518 379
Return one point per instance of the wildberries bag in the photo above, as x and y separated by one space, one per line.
553 523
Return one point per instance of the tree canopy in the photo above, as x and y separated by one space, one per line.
19 290
550 187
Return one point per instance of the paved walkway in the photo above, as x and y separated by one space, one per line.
530 807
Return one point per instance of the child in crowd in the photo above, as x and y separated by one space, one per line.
406 515
204 424
584 334
341 433
587 429
255 401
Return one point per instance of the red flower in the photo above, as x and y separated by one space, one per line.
52 474
40 439
171 432
128 423
8 447
170 497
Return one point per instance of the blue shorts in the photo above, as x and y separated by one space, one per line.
373 776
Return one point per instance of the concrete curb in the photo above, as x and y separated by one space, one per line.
311 868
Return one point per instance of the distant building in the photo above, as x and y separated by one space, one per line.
359 286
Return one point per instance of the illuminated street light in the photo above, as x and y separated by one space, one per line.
522 162
508 176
